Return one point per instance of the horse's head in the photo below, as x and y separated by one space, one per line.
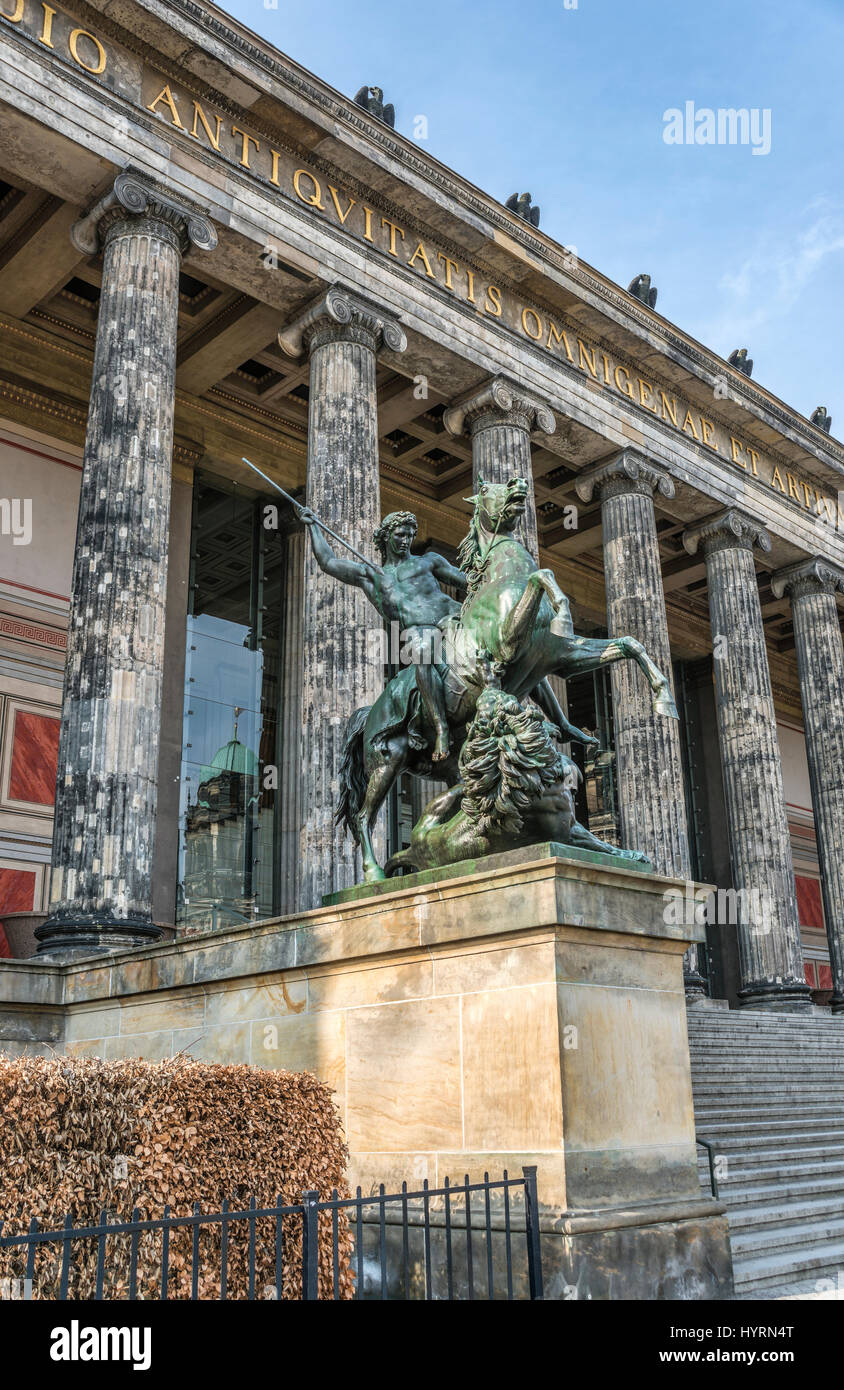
499 507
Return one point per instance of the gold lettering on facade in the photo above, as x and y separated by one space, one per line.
471 291
493 298
335 198
587 358
687 422
314 200
645 394
166 96
367 227
73 42
530 313
199 115
627 388
754 459
17 16
668 408
449 267
776 480
47 27
708 428
274 173
395 230
246 141
420 254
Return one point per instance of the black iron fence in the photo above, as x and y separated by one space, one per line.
460 1241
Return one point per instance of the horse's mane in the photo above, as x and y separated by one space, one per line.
507 760
470 546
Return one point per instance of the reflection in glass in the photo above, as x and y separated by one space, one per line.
229 810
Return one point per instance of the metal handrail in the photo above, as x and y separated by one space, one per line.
709 1145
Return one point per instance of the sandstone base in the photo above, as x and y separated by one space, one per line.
528 1011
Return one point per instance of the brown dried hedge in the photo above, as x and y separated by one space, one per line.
82 1136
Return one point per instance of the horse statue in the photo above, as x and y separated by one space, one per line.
514 625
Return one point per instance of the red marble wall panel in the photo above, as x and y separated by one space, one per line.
35 751
17 890
809 902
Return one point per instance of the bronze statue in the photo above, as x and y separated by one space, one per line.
739 358
515 789
372 100
641 289
514 627
404 588
524 207
820 418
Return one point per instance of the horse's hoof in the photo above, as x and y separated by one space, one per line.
665 705
374 874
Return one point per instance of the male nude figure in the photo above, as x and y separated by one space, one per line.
405 588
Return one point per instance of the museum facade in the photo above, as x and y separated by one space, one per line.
206 256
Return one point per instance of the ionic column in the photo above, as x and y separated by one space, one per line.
812 587
648 756
106 792
500 418
770 955
342 334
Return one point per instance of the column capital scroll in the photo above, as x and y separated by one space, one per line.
629 471
346 314
727 530
498 402
133 194
811 576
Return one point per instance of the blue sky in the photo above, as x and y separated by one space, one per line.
746 250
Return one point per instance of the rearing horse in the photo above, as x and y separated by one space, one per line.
515 622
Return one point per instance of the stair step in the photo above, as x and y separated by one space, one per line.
822 1261
805 1234
772 1214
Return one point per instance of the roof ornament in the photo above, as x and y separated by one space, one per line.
372 100
640 288
820 418
738 358
523 206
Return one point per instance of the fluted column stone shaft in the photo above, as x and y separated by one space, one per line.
342 334
770 952
650 769
812 587
649 763
500 418
106 792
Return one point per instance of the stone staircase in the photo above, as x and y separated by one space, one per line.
769 1091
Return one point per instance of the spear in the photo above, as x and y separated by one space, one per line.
299 508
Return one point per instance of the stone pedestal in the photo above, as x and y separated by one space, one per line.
343 335
107 781
528 1012
500 418
768 928
812 587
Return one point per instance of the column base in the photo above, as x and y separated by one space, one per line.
69 936
790 998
